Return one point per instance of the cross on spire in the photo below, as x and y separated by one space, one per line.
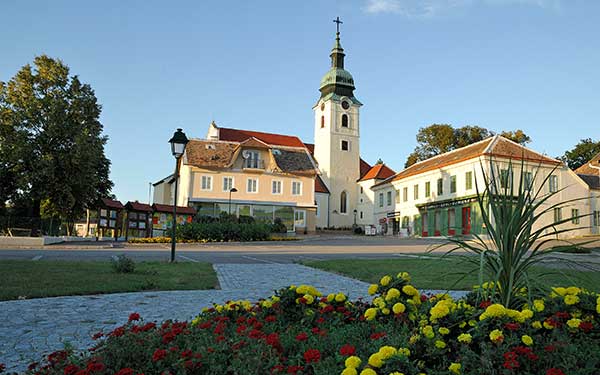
338 22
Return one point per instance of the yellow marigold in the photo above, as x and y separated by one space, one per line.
404 351
330 297
416 299
379 302
428 331
548 326
493 311
368 371
462 324
441 309
376 360
410 290
538 305
373 289
404 276
472 323
496 335
309 298
573 290
266 304
465 338
371 313
340 297
443 331
537 324
385 311
571 299
391 294
440 344
398 308
574 322
560 291
454 368
387 352
302 289
349 371
413 339
385 280
352 362
527 340
526 314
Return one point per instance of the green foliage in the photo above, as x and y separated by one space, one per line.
51 142
223 232
440 138
517 239
278 226
583 152
123 264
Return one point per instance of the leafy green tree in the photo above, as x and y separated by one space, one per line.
58 154
440 138
583 151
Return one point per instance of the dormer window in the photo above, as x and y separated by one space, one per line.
344 121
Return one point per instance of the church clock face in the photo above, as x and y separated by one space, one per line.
345 105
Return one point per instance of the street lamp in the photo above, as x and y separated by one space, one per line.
178 142
232 190
355 216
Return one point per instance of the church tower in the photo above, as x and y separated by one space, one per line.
337 135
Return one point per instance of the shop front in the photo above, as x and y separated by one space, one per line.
451 217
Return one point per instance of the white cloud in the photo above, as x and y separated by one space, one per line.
428 8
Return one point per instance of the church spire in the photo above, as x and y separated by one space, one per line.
337 52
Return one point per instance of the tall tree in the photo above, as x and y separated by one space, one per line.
583 151
439 138
53 118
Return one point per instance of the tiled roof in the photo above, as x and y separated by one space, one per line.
320 186
291 161
591 167
111 203
137 206
169 209
202 153
593 181
237 135
363 168
379 172
496 146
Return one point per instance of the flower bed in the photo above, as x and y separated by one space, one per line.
299 331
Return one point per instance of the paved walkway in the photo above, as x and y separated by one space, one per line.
31 328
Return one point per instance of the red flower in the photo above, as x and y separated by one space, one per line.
148 326
586 326
554 371
294 369
119 331
69 370
134 316
510 360
271 318
205 325
186 354
512 326
277 368
302 336
423 298
97 335
485 304
378 335
273 339
125 371
95 366
549 348
347 350
312 355
158 355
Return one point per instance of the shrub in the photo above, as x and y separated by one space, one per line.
227 231
123 264
300 331
278 226
358 230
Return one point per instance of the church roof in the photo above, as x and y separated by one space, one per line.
378 172
238 135
320 186
496 146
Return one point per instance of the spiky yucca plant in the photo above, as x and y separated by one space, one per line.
517 240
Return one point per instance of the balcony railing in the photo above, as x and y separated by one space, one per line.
254 163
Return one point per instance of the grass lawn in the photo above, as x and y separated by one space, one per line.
445 274
31 279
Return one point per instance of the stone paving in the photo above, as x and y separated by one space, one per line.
31 328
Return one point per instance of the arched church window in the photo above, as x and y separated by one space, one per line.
322 121
343 202
344 121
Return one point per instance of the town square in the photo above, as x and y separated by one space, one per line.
366 187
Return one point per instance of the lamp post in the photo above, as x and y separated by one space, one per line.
178 142
232 190
355 216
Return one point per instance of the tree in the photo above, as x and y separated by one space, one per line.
440 138
52 119
583 152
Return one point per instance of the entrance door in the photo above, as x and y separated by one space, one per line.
466 220
425 225
299 219
396 226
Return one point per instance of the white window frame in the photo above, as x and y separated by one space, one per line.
380 199
303 223
299 184
247 186
553 183
225 188
208 186
273 183
389 198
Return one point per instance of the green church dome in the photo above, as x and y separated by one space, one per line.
338 77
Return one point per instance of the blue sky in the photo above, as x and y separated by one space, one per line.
157 65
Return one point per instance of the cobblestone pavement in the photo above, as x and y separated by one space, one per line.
31 328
